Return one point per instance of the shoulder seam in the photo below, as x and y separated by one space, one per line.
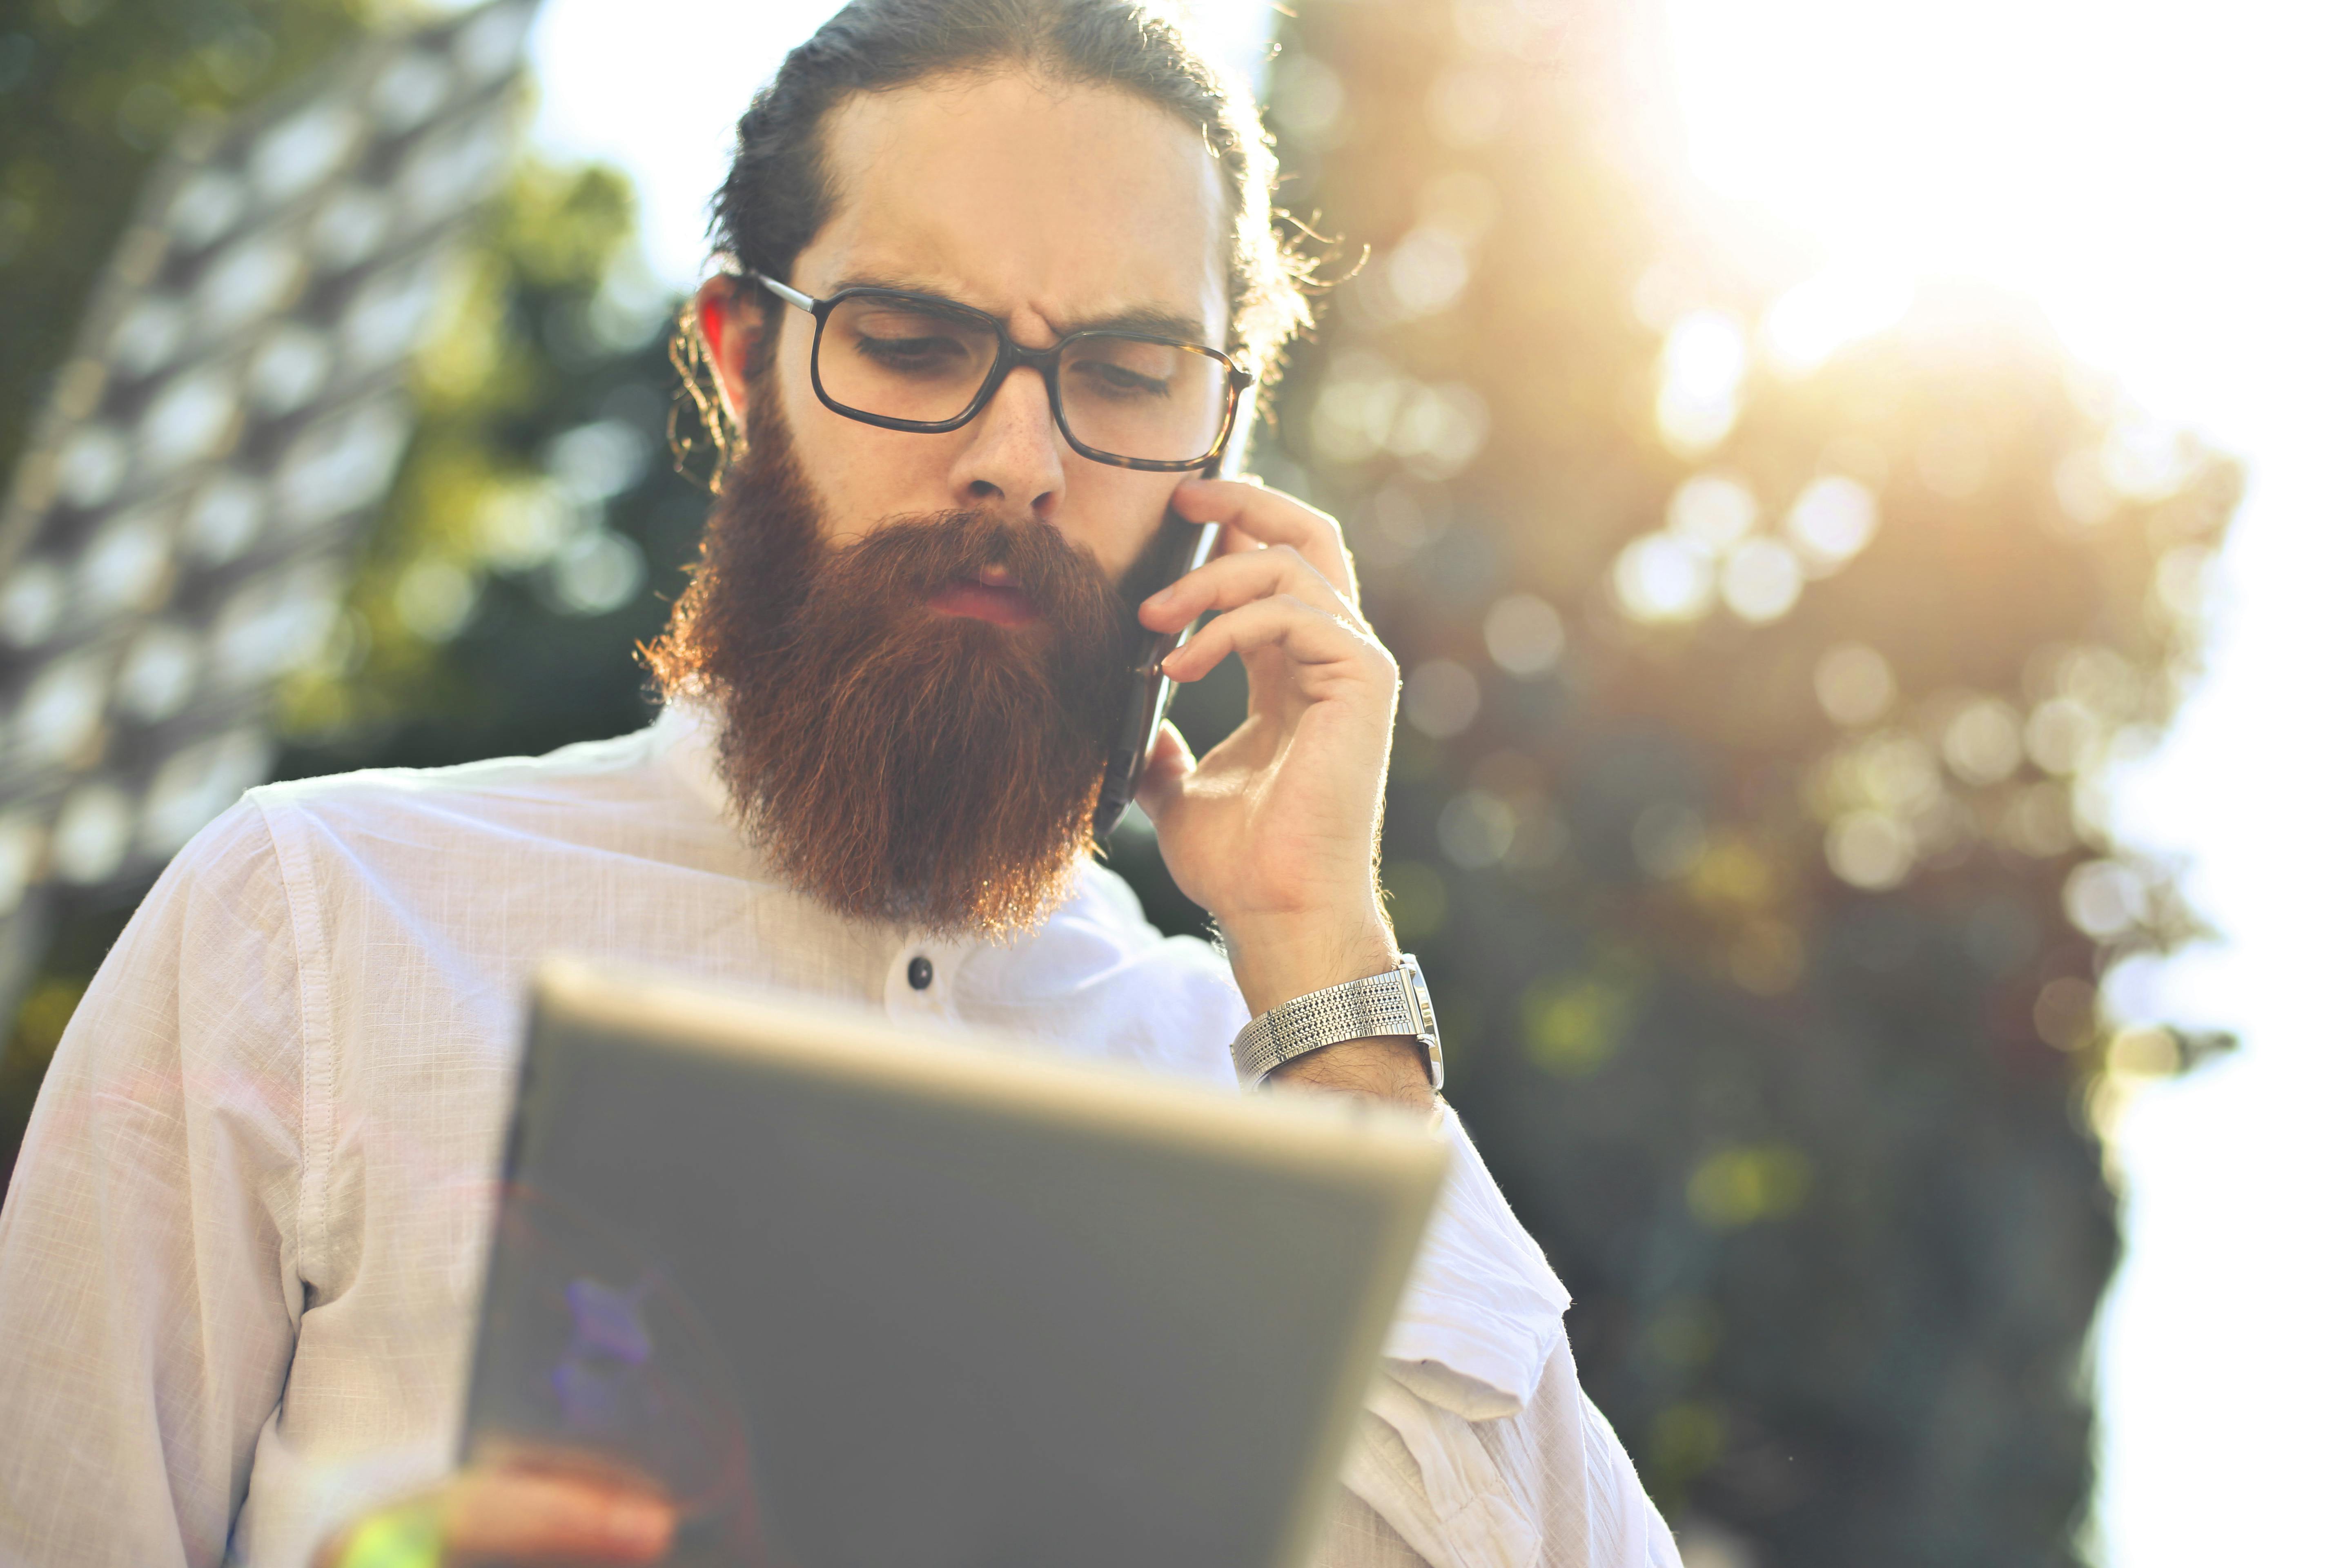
317 1114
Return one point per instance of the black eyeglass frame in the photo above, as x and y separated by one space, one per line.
1011 356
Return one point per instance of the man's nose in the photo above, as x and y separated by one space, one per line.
1014 454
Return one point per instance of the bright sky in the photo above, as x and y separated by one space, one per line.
2169 181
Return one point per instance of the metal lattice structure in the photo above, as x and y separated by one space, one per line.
180 530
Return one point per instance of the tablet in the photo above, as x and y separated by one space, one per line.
863 1298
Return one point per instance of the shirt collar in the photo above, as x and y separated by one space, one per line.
684 736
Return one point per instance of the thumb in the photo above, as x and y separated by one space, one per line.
1164 772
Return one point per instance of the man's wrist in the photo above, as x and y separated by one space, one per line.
1278 959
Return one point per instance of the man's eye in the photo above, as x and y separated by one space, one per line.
1116 380
911 353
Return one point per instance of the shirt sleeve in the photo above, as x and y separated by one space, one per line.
1477 1449
149 1272
1482 1311
1550 1486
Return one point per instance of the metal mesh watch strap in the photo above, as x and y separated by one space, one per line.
1393 1002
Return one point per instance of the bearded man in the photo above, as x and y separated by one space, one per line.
998 273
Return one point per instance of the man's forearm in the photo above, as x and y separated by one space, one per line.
1389 1068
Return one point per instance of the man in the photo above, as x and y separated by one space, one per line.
1000 272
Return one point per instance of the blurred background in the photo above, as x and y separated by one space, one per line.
1858 491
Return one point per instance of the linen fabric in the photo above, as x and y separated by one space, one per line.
241 1253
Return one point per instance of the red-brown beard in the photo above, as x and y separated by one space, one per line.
896 763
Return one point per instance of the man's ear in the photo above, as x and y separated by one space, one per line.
731 330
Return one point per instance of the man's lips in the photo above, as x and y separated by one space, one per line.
1000 602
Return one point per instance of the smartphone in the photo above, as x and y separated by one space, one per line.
1184 546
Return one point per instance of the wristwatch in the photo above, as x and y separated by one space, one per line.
1394 1003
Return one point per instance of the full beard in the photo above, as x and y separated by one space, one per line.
895 763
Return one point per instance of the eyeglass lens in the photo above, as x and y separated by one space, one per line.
1121 395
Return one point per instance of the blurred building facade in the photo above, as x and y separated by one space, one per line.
489 603
179 530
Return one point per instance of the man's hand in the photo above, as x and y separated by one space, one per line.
1275 831
509 1514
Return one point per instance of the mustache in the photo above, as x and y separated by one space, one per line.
903 561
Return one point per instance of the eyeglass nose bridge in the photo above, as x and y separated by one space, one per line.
1011 356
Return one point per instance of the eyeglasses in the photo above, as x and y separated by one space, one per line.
915 362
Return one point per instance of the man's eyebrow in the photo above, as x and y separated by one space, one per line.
1149 319
903 282
1152 321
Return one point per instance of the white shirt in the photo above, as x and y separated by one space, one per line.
240 1254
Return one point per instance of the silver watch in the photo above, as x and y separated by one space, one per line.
1395 1003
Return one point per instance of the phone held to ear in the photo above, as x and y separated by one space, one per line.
1184 547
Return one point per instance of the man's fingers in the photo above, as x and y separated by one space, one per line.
1170 759
1306 635
500 1516
1271 517
1232 581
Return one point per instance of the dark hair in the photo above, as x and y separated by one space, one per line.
778 191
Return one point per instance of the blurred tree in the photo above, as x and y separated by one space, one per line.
1759 673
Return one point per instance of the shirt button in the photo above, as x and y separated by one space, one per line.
919 973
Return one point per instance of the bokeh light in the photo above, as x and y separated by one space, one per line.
1854 684
1701 370
1441 699
1524 635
